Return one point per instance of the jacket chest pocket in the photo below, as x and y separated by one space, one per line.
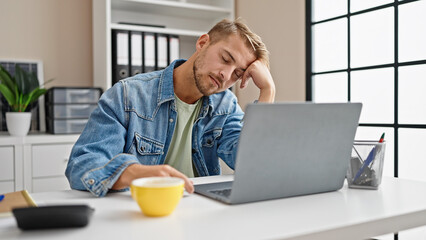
210 137
148 150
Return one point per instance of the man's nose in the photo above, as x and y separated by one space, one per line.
226 74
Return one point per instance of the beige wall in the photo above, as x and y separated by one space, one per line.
58 32
281 24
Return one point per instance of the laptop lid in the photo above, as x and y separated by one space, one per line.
291 149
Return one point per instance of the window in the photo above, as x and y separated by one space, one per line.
374 52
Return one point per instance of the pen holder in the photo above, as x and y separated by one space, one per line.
366 164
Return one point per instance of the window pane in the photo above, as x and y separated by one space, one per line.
357 5
374 133
325 9
414 233
330 53
412 31
410 234
385 237
412 97
331 87
375 89
372 38
412 149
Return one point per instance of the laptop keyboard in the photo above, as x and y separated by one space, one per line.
222 192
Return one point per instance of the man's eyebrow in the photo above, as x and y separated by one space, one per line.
230 55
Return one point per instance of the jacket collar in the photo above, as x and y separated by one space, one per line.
166 88
207 104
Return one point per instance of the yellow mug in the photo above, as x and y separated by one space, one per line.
157 196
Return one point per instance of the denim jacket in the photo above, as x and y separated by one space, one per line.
134 123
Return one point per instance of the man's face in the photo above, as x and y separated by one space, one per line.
220 65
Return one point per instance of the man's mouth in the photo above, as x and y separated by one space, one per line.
215 81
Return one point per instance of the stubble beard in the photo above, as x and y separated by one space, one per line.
198 77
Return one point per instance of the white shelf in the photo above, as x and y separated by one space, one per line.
187 19
172 31
36 138
173 8
27 155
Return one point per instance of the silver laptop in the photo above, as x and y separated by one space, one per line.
289 149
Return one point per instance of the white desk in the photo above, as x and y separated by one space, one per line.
345 214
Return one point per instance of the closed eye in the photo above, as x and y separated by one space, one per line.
238 73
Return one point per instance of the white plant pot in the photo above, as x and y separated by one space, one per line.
18 123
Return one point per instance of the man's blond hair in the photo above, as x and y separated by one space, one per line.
226 27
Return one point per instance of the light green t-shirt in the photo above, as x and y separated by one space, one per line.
179 155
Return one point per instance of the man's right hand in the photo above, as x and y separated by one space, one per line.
262 78
135 171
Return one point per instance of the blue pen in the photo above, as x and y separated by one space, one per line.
366 163
1 197
368 160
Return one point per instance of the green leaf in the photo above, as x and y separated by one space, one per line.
33 81
4 69
21 90
20 103
16 94
36 93
6 79
32 97
48 81
26 99
22 80
10 97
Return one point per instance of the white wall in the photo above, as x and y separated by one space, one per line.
281 24
58 32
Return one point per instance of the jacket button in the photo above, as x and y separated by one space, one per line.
209 141
91 181
142 149
194 151
171 120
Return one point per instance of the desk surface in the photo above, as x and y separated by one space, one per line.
344 214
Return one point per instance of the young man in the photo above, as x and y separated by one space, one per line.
174 122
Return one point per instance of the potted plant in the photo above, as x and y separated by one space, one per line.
19 91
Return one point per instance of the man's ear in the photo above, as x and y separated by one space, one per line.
202 41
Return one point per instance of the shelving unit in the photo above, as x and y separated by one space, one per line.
202 10
35 162
188 19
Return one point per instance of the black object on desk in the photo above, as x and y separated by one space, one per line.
61 216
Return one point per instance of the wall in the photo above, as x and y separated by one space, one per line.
281 24
58 32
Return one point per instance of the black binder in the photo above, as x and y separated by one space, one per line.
120 55
135 52
162 51
174 52
136 57
149 53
